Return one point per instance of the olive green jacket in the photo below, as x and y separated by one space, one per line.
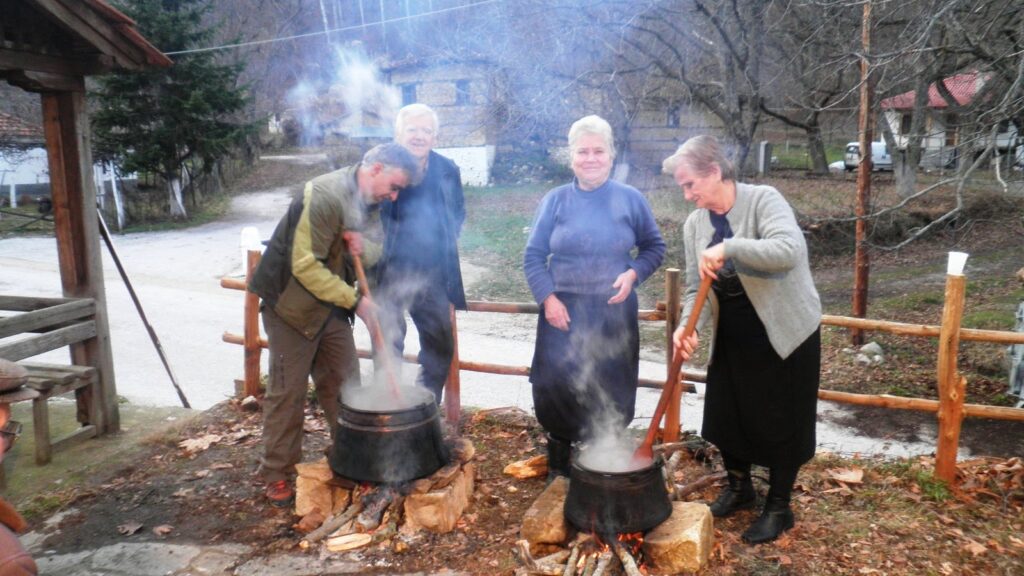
306 272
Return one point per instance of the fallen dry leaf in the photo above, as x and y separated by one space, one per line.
163 530
975 548
847 475
129 528
199 444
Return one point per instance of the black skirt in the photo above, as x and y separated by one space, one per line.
585 380
758 407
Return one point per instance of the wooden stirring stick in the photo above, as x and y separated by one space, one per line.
375 330
645 451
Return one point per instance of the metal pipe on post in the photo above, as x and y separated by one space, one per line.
251 327
672 311
452 388
951 385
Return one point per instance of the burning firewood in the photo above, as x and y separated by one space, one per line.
670 473
589 565
603 562
529 468
549 565
374 506
330 525
628 562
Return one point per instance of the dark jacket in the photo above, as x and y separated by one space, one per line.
449 180
306 273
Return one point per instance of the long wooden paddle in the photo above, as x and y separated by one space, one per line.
645 451
375 331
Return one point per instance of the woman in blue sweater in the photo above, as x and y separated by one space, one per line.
581 270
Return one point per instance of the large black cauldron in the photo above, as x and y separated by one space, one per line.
617 502
386 445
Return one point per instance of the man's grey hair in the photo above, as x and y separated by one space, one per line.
592 124
395 157
414 111
700 154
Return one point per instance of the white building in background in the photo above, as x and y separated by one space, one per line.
460 93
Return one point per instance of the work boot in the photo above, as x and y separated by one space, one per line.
279 493
776 518
738 495
559 451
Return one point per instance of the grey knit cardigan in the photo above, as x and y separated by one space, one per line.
770 255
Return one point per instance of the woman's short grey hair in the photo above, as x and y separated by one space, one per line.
393 156
414 111
700 154
592 124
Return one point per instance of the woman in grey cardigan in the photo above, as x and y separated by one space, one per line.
762 381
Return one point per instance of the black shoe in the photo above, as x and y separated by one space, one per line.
776 518
738 495
559 451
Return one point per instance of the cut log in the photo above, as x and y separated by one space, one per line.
684 490
589 565
529 468
348 542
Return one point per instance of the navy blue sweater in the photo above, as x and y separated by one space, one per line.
589 237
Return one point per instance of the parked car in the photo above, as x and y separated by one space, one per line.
880 157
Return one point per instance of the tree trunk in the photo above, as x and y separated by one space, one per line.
177 207
816 149
905 170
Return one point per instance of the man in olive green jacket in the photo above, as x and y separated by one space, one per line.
306 281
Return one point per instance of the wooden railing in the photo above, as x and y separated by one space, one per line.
950 407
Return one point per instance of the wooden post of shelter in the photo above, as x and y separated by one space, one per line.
66 128
452 387
251 327
950 384
672 311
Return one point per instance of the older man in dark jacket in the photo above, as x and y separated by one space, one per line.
306 280
419 271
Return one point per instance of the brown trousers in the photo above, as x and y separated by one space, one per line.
331 360
14 560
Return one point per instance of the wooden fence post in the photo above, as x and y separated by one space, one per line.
251 328
452 400
672 304
950 385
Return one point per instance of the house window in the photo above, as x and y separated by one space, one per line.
672 116
461 92
952 127
905 124
408 94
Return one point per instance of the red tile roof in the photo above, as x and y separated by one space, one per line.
17 129
963 87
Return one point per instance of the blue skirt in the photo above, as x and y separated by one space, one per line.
584 380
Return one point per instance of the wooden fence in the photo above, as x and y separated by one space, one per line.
950 407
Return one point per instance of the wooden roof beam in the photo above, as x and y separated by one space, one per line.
94 29
20 60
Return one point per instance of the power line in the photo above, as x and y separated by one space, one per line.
325 32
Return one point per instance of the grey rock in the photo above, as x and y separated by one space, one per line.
144 559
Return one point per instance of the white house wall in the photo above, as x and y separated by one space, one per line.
474 162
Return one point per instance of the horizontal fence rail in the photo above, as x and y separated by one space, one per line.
950 408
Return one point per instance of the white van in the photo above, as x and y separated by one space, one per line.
880 158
